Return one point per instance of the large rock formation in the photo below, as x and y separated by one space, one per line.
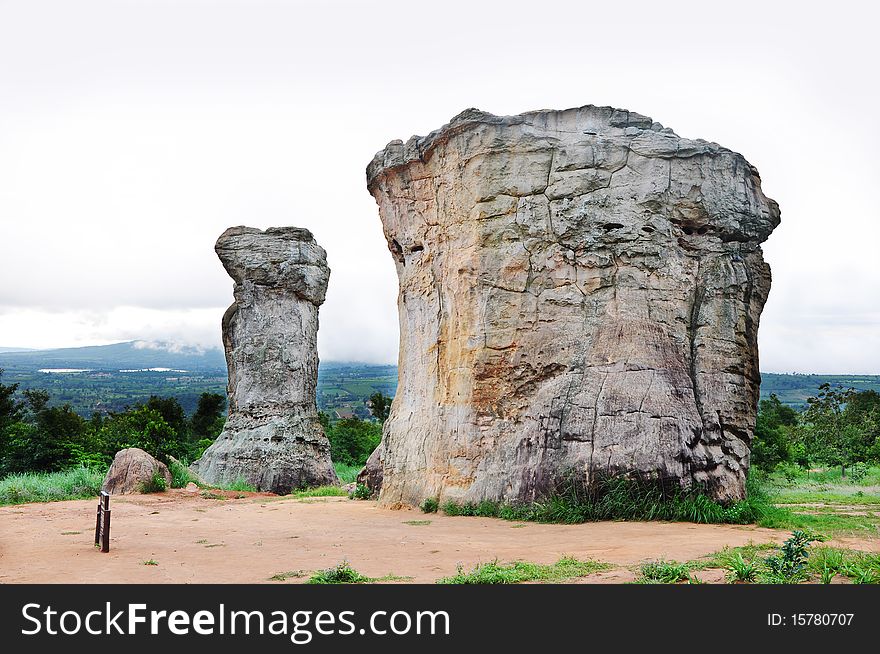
580 293
272 438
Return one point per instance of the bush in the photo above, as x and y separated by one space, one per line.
790 565
430 505
857 472
156 483
361 492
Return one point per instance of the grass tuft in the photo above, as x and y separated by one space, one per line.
155 484
342 573
519 571
664 572
181 475
290 574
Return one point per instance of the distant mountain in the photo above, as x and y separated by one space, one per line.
129 355
15 349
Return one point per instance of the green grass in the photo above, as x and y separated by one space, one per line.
519 571
619 498
284 576
663 572
238 485
155 484
417 523
151 562
859 567
342 573
723 558
181 476
72 484
321 491
347 474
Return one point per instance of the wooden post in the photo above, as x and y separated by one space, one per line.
102 522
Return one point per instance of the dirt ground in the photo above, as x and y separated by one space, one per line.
252 537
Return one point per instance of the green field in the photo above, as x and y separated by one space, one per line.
794 389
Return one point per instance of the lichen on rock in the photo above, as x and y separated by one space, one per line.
580 293
272 439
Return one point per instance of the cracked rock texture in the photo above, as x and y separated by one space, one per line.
272 438
580 293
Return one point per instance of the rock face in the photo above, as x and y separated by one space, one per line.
580 293
272 438
131 469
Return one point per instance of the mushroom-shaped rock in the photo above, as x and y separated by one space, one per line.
272 439
580 293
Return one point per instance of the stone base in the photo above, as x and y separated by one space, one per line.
280 455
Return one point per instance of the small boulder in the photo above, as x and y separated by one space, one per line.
131 469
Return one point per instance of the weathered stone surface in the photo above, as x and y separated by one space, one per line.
272 438
371 474
131 469
580 293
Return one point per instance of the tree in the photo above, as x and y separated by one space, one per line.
832 430
353 440
141 427
772 442
11 410
207 421
48 438
171 411
380 406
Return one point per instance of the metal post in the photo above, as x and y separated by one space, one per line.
102 525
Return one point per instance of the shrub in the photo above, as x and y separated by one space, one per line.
790 564
430 505
361 492
155 484
857 472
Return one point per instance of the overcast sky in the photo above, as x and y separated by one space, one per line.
132 133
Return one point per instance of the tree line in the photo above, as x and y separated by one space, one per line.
839 427
37 437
